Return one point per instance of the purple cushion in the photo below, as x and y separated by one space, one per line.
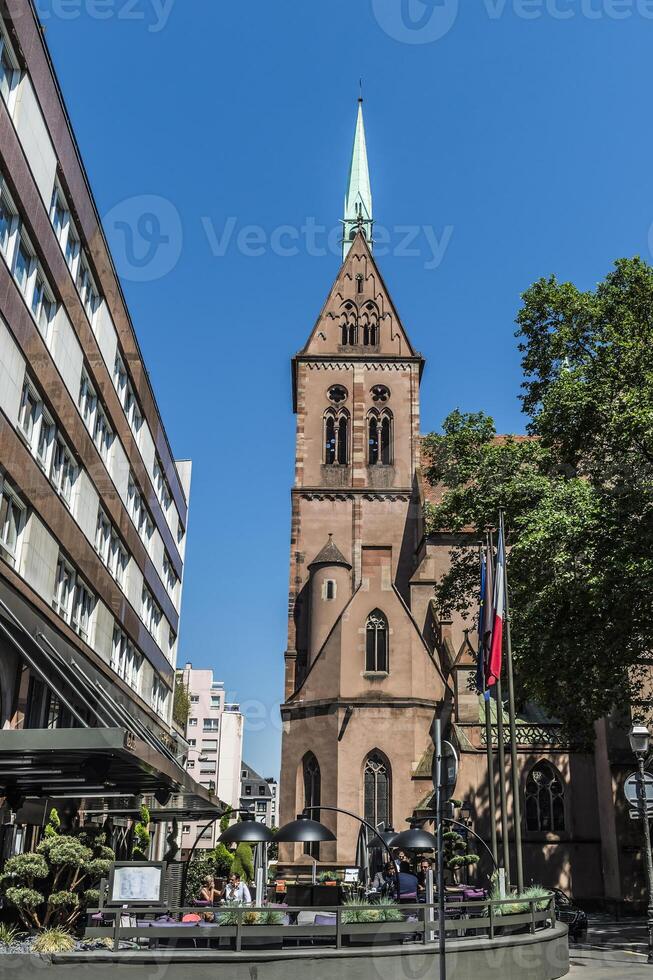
324 920
201 903
474 894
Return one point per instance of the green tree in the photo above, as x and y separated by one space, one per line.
141 840
243 864
181 702
53 886
578 495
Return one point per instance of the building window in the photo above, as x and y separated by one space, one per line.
29 412
192 742
380 394
349 324
248 791
64 585
380 438
376 643
337 394
329 589
170 579
43 306
12 520
72 248
215 700
64 229
545 799
376 780
161 487
159 697
192 722
211 724
336 437
125 660
110 548
150 613
194 699
102 434
87 402
186 827
9 72
64 470
127 397
88 292
139 514
83 605
8 223
312 795
103 536
369 324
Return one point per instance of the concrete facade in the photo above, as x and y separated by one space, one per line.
214 732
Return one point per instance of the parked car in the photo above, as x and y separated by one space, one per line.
573 917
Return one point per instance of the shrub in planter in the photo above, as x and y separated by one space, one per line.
54 940
48 888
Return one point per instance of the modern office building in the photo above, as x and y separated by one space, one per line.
258 795
214 732
93 504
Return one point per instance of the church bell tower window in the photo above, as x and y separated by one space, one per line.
336 437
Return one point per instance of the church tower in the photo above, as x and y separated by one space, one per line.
362 687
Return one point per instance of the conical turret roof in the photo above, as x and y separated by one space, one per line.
330 555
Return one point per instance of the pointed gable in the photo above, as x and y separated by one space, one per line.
359 317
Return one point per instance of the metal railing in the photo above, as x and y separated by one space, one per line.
484 918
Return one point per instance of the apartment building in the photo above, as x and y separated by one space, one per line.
258 795
214 732
93 504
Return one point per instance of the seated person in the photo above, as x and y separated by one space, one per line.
211 893
385 880
425 866
407 883
237 890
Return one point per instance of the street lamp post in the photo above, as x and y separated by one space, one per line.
639 743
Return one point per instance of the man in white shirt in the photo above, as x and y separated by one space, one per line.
237 891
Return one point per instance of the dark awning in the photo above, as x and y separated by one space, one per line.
101 768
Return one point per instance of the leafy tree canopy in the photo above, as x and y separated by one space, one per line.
578 495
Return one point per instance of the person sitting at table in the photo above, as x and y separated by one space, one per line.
407 883
425 866
384 881
237 890
210 893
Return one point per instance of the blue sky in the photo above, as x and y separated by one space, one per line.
515 131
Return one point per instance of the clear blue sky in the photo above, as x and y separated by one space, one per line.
528 137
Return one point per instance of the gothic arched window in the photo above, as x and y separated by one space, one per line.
376 786
545 799
312 795
349 324
369 320
343 439
330 438
373 439
386 438
376 643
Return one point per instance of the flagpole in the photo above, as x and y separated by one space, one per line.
501 745
516 801
489 742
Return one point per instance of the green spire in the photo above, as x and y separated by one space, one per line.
358 199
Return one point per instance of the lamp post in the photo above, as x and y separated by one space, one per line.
303 830
247 830
639 743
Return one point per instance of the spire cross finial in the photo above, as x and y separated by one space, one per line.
360 89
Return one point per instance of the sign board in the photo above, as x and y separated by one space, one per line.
635 814
449 771
136 883
630 789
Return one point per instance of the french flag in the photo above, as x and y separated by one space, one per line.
499 606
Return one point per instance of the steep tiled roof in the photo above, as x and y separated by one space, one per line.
330 555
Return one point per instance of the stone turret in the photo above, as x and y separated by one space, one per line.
330 592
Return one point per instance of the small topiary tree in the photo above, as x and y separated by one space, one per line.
54 885
141 841
223 860
243 862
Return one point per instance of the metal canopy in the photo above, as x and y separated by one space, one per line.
100 767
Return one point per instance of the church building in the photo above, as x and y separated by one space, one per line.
369 665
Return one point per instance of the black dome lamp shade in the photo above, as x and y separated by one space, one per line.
248 831
383 837
415 840
303 830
